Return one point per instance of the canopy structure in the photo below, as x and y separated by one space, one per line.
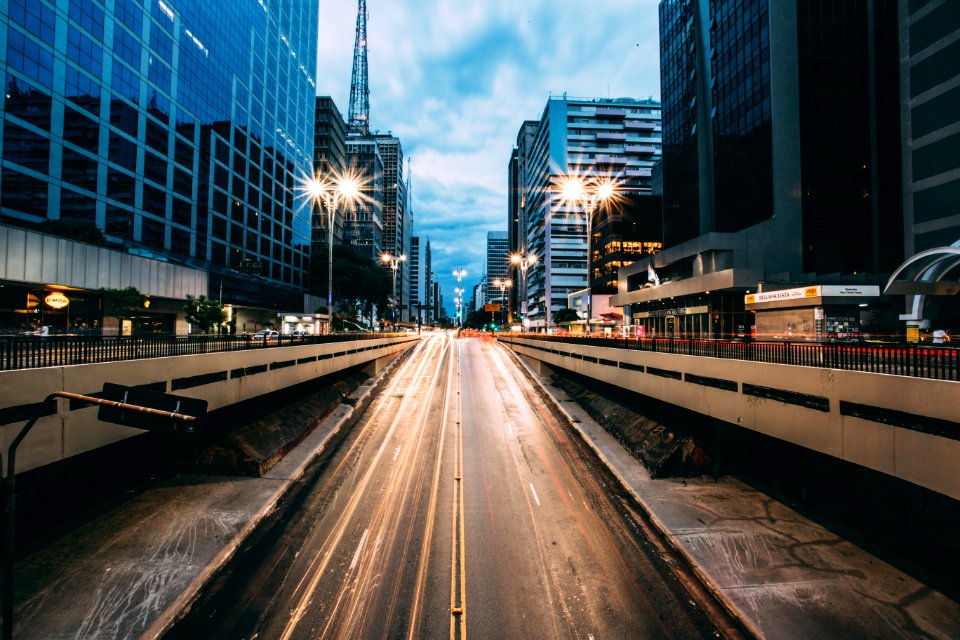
934 272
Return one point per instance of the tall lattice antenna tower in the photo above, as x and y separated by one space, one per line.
359 115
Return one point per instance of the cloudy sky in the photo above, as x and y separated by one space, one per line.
455 80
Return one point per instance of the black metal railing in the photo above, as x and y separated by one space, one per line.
33 352
939 362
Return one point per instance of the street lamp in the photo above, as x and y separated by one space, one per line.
332 192
458 274
587 194
503 284
523 262
394 262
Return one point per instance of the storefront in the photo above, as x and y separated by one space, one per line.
25 309
717 315
818 313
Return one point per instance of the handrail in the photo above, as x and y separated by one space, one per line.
34 352
939 362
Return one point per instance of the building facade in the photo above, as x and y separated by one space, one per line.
177 134
497 266
421 284
517 201
613 139
764 188
363 220
329 161
396 220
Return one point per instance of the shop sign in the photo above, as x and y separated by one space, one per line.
842 291
32 300
57 300
814 291
783 294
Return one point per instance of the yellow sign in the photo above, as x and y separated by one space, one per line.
913 334
492 308
32 301
57 300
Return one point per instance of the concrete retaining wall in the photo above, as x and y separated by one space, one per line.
905 427
221 379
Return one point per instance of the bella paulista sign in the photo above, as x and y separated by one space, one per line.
814 291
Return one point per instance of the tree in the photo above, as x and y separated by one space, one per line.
122 303
564 316
359 283
204 312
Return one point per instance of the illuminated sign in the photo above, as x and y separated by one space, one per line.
57 300
814 291
32 301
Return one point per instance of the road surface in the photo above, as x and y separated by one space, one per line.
458 507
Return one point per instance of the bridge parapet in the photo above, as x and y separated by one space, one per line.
221 379
903 426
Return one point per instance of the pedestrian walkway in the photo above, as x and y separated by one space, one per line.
131 572
781 574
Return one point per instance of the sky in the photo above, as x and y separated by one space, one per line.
455 80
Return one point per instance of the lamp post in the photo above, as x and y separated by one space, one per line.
339 189
394 262
587 194
523 261
458 273
503 284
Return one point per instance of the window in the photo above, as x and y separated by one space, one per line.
23 193
26 148
29 57
89 16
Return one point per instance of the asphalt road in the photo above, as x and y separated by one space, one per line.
459 507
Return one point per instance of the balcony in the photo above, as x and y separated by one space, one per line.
640 125
606 112
614 136
640 148
604 159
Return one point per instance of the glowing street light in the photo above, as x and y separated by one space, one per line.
587 194
331 192
394 262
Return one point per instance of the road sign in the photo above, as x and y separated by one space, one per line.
492 308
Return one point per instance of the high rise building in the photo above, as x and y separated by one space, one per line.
421 285
363 221
616 139
781 158
177 131
496 266
517 201
396 219
930 117
329 161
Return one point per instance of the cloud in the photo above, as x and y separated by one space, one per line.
454 81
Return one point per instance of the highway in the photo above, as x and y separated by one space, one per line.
458 507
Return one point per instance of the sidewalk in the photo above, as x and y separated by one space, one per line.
131 572
782 575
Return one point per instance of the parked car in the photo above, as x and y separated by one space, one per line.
266 334
299 334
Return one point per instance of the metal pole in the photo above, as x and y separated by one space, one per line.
331 214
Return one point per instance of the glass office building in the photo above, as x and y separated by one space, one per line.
181 129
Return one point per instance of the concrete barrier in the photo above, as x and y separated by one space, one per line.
906 427
221 379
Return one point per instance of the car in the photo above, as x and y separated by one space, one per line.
266 334
299 334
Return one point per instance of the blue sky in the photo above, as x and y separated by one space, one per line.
455 81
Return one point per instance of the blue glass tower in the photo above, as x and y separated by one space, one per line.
178 128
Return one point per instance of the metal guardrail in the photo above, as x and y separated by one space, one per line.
33 352
939 362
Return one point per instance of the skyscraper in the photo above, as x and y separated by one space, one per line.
780 156
421 286
329 160
395 214
517 202
179 132
496 266
618 139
